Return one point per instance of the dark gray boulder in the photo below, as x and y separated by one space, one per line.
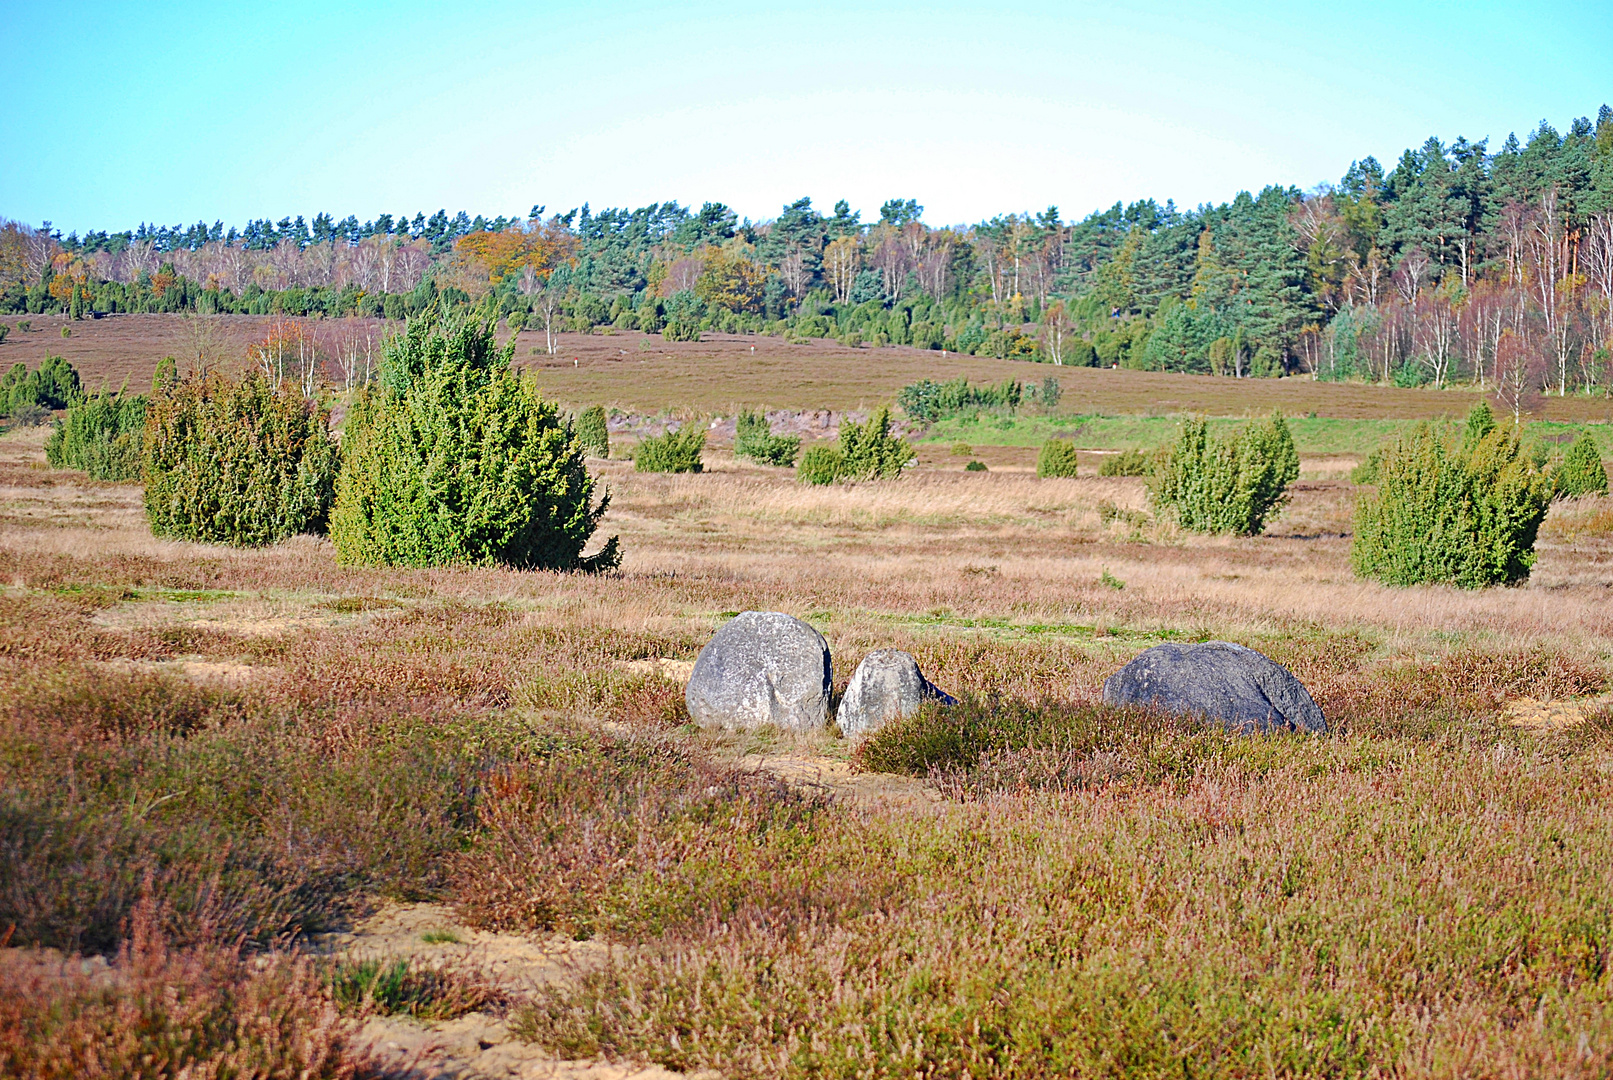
761 667
887 686
1238 686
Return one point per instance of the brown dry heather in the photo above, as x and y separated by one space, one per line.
209 754
644 373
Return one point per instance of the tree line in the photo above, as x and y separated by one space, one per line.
1456 263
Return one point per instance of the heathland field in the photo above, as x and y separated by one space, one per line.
458 816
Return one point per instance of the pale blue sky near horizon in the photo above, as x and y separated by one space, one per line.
120 113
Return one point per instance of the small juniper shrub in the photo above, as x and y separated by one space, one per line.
1056 458
1126 463
51 386
1465 515
870 451
102 436
237 461
675 452
754 439
1229 484
975 466
593 432
821 464
1581 471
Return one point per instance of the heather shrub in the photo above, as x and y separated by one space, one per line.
754 439
1464 516
1056 458
821 464
1581 471
163 1012
675 452
1227 484
870 451
591 834
1126 463
593 432
453 458
29 415
237 461
242 817
102 436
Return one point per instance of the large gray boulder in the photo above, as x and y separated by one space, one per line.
762 667
1238 686
887 686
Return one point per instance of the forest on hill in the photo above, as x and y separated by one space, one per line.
1456 263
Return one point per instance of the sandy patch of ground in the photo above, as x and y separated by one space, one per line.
676 670
479 1044
202 671
1556 715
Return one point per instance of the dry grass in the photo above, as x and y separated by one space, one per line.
265 743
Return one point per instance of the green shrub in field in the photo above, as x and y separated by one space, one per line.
675 452
1367 471
1230 484
1056 458
453 458
821 464
236 462
1126 463
976 466
53 385
754 439
593 432
681 330
929 401
867 451
1464 516
1581 471
871 451
101 435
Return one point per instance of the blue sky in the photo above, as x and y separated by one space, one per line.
174 113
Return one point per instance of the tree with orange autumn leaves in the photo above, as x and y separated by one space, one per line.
731 279
535 246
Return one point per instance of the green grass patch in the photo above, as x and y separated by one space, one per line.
1313 436
1085 631
401 988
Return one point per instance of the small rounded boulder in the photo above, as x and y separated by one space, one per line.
1243 689
761 667
888 685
